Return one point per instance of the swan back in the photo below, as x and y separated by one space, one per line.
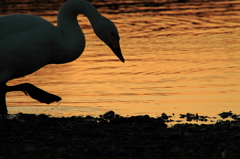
17 23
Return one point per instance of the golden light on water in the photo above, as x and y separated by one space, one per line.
182 59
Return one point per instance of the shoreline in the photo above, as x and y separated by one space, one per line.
113 136
169 118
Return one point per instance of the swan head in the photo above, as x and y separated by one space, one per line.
108 33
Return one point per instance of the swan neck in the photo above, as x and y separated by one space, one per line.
73 38
90 12
71 9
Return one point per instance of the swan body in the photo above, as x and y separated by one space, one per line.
28 43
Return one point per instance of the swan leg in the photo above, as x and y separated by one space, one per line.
35 93
3 91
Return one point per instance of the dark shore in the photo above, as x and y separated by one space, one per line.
112 136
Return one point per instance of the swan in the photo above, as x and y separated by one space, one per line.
29 42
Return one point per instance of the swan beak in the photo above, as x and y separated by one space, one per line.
115 47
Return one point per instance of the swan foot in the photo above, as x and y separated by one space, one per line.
3 106
35 93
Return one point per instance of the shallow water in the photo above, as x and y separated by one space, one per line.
185 58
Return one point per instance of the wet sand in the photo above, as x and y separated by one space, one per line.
113 136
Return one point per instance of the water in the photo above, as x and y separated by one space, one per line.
183 58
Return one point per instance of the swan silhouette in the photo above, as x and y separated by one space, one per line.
28 42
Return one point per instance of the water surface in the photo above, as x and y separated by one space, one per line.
182 57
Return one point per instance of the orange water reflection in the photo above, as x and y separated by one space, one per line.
176 62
